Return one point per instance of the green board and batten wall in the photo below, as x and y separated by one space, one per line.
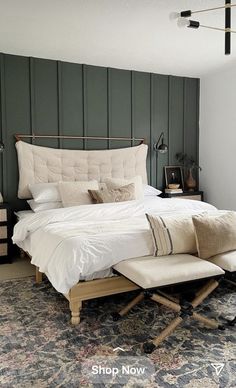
52 97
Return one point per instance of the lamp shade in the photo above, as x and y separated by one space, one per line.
163 148
160 146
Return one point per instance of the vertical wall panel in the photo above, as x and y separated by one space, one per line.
176 119
51 97
141 109
191 118
71 103
96 105
15 103
160 123
120 117
45 100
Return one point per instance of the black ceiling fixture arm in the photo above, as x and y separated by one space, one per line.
227 26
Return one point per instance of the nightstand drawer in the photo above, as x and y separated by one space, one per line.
195 197
3 232
3 215
3 250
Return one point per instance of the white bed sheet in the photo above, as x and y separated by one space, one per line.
84 242
23 213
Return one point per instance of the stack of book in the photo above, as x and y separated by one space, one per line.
173 191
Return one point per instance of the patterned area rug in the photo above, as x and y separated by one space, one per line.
39 347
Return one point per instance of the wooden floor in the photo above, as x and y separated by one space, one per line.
20 268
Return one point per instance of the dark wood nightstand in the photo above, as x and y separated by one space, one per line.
5 233
196 195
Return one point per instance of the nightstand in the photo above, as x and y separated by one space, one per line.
5 233
196 195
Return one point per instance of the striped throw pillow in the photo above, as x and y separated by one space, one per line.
172 234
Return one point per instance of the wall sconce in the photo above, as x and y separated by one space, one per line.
160 146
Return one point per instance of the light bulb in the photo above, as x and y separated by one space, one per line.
182 22
174 15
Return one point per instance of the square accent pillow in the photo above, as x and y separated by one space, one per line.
122 194
215 234
172 234
116 183
76 193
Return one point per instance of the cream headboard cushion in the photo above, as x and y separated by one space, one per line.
41 164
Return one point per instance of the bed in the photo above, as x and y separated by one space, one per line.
92 238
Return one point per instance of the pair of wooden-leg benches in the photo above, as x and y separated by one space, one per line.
152 273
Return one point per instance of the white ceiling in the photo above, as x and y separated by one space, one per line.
130 34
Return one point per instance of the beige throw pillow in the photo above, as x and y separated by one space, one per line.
116 183
172 234
124 193
76 193
215 234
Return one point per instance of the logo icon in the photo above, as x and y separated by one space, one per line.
218 367
115 350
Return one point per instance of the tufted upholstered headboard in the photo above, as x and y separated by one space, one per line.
41 164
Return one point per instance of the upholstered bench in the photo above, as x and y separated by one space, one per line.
227 261
151 273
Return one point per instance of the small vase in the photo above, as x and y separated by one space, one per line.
190 181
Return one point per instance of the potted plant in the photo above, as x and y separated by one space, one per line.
190 164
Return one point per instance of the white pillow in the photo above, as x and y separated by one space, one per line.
23 214
115 183
150 191
45 192
39 207
76 193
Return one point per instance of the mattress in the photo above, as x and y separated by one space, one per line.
82 242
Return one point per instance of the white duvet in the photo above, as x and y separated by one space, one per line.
80 242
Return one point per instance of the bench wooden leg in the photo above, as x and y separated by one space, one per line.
204 292
167 331
75 308
230 281
38 276
206 321
184 311
148 347
116 316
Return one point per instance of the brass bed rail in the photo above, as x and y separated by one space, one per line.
33 137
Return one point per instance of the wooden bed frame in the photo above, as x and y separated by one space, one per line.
86 290
91 289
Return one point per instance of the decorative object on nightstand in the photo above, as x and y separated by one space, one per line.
5 233
174 182
195 195
190 165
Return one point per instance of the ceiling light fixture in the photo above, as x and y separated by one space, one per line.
183 22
